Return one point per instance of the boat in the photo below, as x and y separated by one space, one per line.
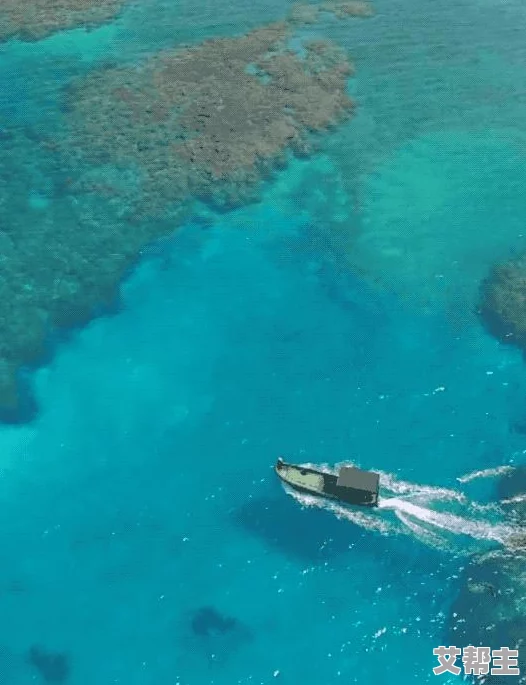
349 486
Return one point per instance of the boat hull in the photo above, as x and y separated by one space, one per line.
319 483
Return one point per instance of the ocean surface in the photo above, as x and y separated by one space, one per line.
144 539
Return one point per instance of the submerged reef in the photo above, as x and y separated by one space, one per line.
309 14
53 667
140 143
494 618
208 121
36 19
60 261
211 636
208 621
502 304
32 20
490 610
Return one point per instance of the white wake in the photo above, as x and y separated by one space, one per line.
440 517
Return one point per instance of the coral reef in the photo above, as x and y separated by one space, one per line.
36 19
352 8
303 13
503 302
61 259
492 619
142 142
57 263
490 609
211 120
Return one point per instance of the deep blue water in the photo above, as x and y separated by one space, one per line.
143 495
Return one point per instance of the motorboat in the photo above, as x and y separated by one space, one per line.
349 486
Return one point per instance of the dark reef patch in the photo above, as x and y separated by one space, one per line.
200 122
139 145
208 622
20 405
36 19
213 636
53 667
492 620
497 617
26 408
303 13
502 305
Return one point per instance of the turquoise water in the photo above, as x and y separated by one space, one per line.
143 491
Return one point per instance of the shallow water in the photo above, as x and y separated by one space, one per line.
143 491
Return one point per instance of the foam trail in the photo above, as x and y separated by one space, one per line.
427 493
480 530
423 534
514 500
359 518
390 484
400 487
485 473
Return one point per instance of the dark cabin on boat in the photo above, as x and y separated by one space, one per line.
356 486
